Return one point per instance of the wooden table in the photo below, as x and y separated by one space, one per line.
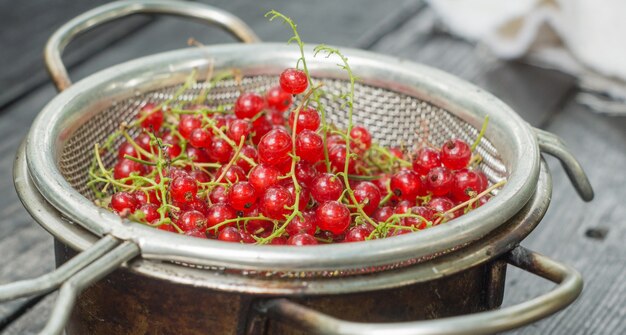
589 236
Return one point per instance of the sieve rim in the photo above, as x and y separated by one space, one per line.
49 130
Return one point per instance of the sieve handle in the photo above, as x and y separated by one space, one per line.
554 146
109 12
72 277
569 287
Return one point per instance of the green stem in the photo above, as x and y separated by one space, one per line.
232 160
350 101
481 134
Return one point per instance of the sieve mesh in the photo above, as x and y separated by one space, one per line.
393 119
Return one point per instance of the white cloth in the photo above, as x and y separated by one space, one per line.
593 31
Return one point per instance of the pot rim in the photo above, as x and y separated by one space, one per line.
508 132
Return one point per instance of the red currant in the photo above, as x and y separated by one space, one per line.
309 146
218 195
242 196
455 154
167 227
250 152
200 138
147 197
232 175
239 129
260 127
192 219
306 224
263 176
483 179
183 189
125 167
293 81
274 202
188 123
308 118
172 150
357 233
195 233
123 203
278 99
467 184
197 155
219 213
280 240
367 195
248 105
382 183
333 140
305 173
382 214
440 204
425 160
361 139
196 204
230 234
143 140
439 181
220 151
406 184
403 207
337 158
151 116
305 195
200 176
326 187
427 215
333 216
276 118
274 147
150 212
170 138
396 152
127 149
302 239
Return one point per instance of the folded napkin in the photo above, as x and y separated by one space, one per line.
586 38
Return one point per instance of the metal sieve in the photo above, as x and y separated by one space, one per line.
401 102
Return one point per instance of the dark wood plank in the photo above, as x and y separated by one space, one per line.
588 236
25 246
34 320
26 26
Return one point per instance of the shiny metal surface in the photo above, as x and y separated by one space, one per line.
510 136
109 12
554 146
74 285
569 285
51 281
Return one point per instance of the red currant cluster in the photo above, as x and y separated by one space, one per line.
255 176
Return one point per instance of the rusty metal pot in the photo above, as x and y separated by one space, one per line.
176 284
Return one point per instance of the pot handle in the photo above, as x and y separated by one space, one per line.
84 22
569 287
554 146
72 277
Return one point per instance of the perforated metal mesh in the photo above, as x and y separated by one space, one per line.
394 120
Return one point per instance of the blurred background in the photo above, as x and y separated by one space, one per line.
559 64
